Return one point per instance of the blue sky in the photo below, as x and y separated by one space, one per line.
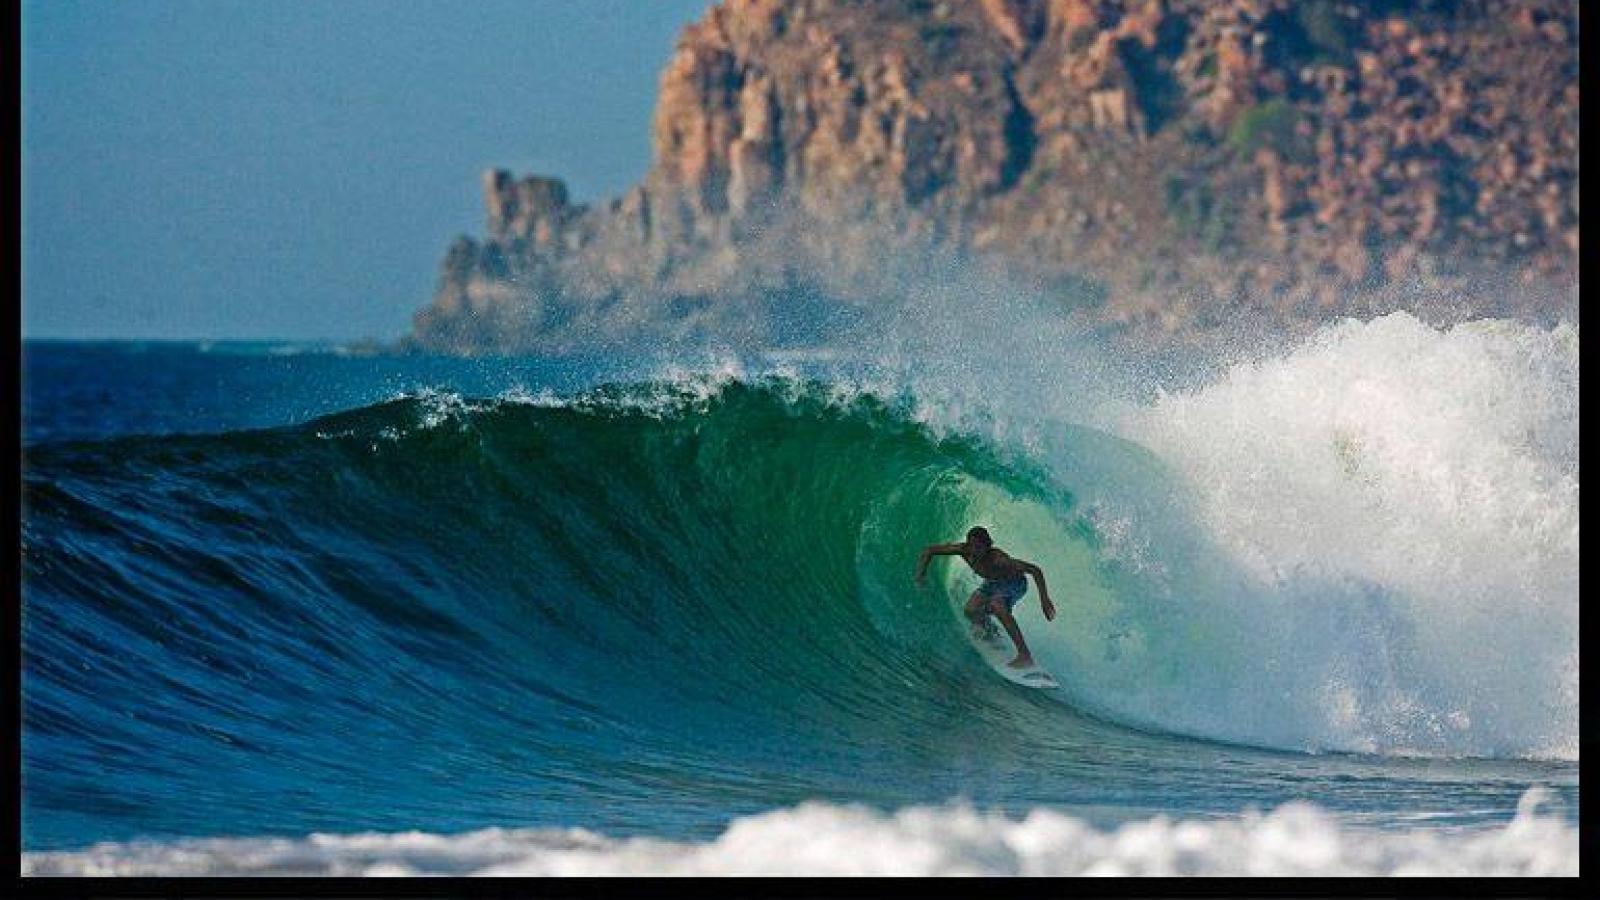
294 169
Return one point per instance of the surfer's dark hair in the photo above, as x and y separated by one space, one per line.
978 532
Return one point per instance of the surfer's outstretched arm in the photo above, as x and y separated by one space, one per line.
932 550
1044 592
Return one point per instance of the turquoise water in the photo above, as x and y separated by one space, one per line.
276 591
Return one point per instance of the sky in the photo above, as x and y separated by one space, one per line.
295 169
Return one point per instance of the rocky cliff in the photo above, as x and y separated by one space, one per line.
1154 165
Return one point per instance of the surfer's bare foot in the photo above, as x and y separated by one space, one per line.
1021 662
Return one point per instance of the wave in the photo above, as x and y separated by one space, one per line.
820 839
1399 506
1368 544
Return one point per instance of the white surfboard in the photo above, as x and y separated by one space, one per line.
996 650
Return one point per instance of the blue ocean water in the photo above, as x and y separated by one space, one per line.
275 590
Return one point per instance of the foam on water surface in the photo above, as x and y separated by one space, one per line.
820 839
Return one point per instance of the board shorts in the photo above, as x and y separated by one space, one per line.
1010 591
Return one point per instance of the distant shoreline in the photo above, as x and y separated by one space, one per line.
268 346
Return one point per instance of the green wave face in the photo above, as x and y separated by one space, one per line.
682 559
769 531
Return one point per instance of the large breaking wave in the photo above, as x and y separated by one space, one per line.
1367 544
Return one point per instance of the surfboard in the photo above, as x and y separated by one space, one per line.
996 650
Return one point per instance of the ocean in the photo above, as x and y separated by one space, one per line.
293 610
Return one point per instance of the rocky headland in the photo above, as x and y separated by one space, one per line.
1153 167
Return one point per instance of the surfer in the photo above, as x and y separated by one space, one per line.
1004 583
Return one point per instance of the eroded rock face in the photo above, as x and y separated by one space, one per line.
532 209
1298 158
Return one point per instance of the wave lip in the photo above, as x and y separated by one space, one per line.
823 839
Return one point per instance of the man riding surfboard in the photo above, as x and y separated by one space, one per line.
1004 583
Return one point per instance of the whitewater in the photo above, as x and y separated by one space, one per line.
820 839
1318 610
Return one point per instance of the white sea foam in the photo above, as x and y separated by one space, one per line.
822 839
1399 505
